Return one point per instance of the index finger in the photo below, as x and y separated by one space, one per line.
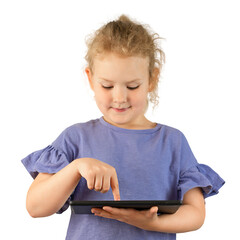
115 187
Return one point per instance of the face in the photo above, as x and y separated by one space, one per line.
121 86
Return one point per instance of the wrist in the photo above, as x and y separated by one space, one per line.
76 164
153 225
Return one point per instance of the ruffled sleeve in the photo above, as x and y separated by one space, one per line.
55 156
200 176
192 174
47 160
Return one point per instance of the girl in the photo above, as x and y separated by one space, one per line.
122 155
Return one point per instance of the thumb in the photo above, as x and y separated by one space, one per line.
153 210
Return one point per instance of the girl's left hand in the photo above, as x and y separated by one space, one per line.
144 219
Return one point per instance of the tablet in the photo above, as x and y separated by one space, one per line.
84 207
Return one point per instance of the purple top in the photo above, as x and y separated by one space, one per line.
151 164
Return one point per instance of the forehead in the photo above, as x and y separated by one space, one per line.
111 66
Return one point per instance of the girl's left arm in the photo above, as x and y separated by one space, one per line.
189 217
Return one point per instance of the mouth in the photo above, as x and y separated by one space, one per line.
120 109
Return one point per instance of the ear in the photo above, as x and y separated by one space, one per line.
153 81
89 75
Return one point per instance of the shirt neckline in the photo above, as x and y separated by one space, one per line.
125 130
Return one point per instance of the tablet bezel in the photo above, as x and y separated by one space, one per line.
164 206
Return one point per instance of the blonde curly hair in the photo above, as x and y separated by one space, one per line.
128 38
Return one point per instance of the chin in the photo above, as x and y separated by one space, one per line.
117 120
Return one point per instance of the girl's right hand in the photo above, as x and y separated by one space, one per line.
99 175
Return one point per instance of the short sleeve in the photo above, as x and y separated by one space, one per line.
200 176
47 160
192 174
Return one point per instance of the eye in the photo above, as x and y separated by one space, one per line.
107 87
132 88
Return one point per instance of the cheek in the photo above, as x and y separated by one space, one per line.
102 97
139 99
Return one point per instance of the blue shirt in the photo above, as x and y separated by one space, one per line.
151 164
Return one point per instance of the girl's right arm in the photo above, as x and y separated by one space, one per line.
49 192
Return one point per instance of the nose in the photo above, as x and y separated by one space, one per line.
119 95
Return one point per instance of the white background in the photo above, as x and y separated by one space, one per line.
44 90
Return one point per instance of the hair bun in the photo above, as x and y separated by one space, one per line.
124 18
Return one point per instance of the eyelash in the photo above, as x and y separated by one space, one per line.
130 88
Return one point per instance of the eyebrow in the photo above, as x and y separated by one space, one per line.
134 80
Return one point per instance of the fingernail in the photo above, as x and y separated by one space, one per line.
117 198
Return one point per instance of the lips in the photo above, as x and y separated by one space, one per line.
120 109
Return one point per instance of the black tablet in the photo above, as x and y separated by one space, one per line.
84 207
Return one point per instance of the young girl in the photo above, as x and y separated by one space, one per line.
121 155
